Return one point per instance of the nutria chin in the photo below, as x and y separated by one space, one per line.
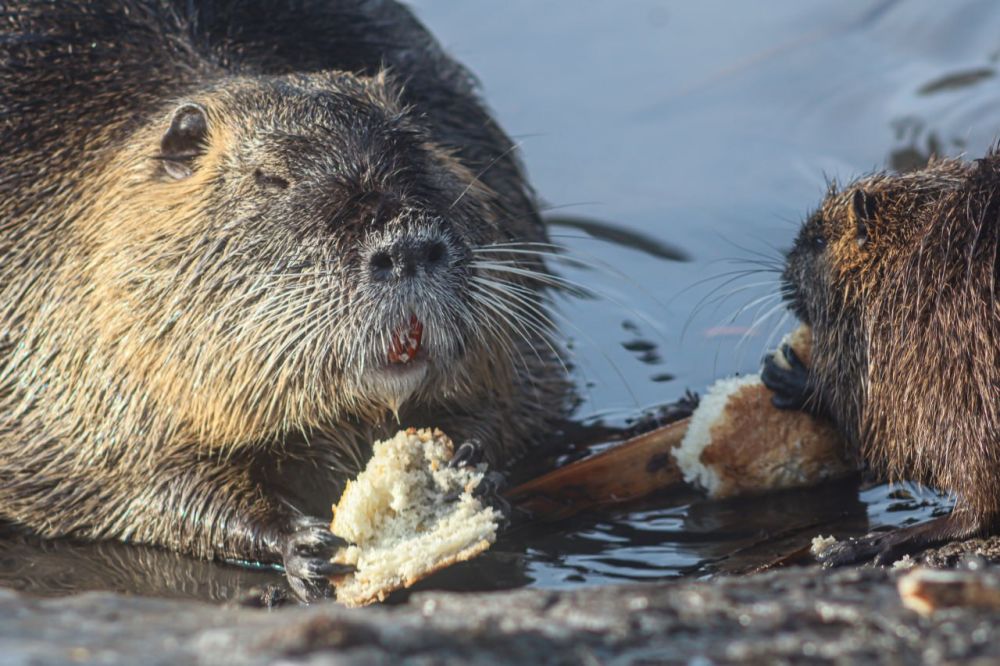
239 240
899 277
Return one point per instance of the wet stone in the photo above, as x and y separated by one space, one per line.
790 616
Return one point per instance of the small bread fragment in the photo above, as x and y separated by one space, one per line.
820 544
800 340
739 443
928 590
408 514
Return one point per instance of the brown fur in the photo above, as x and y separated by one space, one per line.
182 361
898 276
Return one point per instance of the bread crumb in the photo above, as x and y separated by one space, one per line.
820 544
904 563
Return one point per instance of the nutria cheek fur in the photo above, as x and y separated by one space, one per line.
899 277
240 239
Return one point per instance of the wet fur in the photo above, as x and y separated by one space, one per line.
901 285
179 360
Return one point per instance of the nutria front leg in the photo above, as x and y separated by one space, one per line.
884 548
216 509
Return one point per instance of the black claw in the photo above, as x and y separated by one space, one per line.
314 567
879 548
469 453
315 542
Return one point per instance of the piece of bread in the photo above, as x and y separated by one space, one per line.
800 340
408 514
927 591
738 442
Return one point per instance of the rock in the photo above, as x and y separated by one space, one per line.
849 616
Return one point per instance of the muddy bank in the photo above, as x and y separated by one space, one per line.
796 615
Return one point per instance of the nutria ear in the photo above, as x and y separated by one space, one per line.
185 140
863 210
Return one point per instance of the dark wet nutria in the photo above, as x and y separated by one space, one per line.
899 277
237 240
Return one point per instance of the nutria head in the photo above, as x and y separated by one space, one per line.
277 253
845 248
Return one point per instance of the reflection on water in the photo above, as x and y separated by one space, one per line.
702 131
61 567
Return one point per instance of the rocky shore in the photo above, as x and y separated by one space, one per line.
795 615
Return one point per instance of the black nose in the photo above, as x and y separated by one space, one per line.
407 257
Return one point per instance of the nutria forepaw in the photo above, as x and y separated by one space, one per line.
790 384
307 548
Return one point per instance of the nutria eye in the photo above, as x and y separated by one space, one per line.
184 141
270 181
819 242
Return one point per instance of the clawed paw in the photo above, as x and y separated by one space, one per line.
790 385
307 550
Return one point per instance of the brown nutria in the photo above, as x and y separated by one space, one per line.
899 278
239 240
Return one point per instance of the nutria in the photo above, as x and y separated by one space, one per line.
238 242
899 278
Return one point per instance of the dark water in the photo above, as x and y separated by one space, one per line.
653 129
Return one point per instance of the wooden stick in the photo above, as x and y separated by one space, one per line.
631 470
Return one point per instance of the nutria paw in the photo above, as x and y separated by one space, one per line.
789 385
306 551
880 548
884 548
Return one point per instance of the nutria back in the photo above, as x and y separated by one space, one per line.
240 240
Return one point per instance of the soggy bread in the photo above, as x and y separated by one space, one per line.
738 442
408 514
